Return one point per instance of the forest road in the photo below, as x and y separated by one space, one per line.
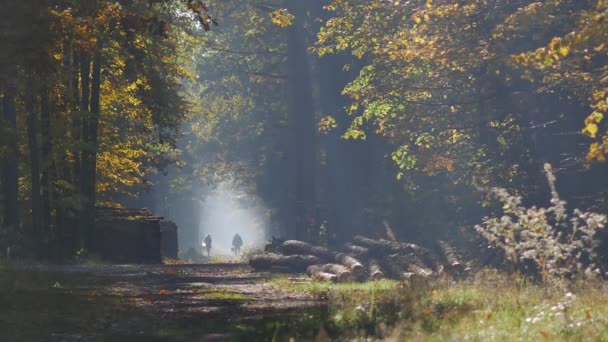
177 302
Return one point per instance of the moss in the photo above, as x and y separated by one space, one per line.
224 295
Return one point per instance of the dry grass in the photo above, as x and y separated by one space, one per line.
488 307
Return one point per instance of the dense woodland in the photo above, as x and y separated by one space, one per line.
342 117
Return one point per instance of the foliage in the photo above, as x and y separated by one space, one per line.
104 112
576 62
440 83
281 17
559 246
235 131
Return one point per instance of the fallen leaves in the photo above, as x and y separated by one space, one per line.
171 270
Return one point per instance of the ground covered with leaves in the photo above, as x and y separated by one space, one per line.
231 302
147 303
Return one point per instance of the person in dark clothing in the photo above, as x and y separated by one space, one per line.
207 243
237 242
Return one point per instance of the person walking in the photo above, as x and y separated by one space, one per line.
207 243
237 242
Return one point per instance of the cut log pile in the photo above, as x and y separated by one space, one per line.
362 259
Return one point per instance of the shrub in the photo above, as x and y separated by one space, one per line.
559 246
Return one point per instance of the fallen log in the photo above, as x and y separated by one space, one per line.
296 263
316 273
343 273
358 251
296 247
420 271
449 253
381 247
411 263
393 270
397 268
355 266
375 271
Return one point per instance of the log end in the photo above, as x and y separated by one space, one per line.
357 269
376 276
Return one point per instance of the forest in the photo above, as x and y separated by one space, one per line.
459 147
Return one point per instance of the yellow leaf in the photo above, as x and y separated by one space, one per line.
599 47
417 20
590 130
281 18
595 117
564 50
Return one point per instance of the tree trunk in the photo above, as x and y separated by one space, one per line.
374 269
89 155
291 247
358 251
76 116
300 247
316 273
85 71
33 235
412 264
453 261
10 171
382 247
46 168
343 273
295 263
353 264
60 245
302 123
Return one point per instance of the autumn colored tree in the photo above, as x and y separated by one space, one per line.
95 88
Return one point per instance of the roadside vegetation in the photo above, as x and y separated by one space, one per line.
489 306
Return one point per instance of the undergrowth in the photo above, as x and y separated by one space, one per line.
487 306
557 245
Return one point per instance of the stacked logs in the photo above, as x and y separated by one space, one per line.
363 259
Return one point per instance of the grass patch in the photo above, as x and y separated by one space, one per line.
224 295
319 288
353 306
490 306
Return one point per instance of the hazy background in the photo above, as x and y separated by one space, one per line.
226 211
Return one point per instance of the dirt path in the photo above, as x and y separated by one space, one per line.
196 302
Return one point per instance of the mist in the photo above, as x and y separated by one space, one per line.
228 210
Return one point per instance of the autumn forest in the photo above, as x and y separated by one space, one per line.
341 129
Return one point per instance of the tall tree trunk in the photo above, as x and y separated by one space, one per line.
69 217
47 168
76 115
34 235
10 172
339 194
302 122
85 71
89 155
61 166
